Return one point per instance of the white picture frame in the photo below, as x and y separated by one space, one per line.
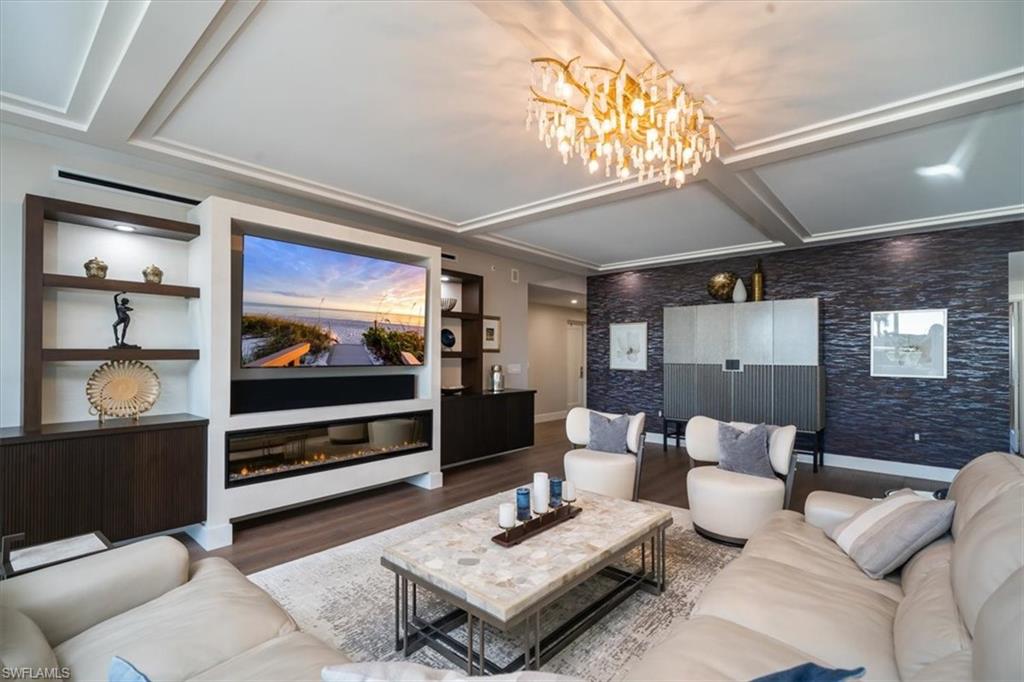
910 343
492 334
627 346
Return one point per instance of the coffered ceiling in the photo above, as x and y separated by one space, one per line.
842 120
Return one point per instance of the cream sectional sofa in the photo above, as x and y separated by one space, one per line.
146 603
955 612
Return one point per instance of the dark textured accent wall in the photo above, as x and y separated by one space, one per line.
964 270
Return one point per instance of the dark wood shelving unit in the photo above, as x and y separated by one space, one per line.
104 354
55 281
37 211
472 317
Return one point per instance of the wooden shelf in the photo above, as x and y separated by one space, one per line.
86 354
109 218
461 316
92 427
459 354
115 285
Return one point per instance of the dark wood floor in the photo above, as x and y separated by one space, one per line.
267 541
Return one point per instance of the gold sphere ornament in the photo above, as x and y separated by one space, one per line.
122 388
721 286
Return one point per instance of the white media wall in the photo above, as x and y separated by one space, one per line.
210 377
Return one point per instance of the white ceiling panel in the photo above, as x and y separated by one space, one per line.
672 221
775 67
420 105
967 164
43 47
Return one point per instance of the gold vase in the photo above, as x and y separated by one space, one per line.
757 283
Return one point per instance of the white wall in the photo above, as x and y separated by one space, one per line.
548 332
27 163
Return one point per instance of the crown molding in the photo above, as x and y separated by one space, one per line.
982 94
690 256
947 221
524 247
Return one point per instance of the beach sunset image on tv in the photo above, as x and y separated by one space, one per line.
304 306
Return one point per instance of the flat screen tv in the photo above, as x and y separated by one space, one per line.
307 306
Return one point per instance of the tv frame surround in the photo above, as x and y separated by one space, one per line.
342 248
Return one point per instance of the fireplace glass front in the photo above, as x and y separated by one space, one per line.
265 454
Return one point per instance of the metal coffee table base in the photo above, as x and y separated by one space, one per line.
413 632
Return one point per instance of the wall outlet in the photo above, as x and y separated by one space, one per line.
917 437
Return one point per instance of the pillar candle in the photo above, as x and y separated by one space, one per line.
541 492
568 491
506 515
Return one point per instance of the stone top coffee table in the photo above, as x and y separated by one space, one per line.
509 587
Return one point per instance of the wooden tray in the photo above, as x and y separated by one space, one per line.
536 525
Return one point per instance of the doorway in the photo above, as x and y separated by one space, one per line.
575 365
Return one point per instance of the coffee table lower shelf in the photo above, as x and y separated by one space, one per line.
413 632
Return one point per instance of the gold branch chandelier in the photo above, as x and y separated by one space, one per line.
643 124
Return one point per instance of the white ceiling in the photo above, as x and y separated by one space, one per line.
415 111
53 36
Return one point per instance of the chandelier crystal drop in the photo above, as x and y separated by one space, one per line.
644 124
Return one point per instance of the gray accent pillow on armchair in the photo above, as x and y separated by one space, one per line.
745 452
608 435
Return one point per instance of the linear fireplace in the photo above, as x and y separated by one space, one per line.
258 455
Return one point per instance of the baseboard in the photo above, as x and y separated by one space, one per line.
427 481
884 466
211 537
880 466
549 416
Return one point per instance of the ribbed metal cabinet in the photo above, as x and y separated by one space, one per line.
752 362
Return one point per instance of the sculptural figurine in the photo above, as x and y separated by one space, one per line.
122 309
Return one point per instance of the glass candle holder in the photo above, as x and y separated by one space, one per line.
523 504
556 492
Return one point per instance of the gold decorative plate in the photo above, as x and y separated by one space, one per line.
122 388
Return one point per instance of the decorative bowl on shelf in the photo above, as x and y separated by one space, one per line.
452 390
122 388
448 304
447 338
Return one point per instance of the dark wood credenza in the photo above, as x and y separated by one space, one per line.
475 425
125 479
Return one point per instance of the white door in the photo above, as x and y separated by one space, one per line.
575 366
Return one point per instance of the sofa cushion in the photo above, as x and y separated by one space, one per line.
998 643
216 615
981 481
953 668
838 621
928 625
882 537
988 550
22 644
709 648
294 656
786 538
825 509
936 555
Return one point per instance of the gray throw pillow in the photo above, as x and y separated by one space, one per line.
608 435
745 452
882 537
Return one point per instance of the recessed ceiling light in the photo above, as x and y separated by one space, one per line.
124 228
942 170
574 301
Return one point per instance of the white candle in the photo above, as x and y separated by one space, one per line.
541 492
568 490
506 515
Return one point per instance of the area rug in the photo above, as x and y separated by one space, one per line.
346 598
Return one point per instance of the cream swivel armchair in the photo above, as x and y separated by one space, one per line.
606 473
727 506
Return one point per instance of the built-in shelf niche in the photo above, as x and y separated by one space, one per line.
464 363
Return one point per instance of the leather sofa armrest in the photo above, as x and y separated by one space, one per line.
69 598
826 510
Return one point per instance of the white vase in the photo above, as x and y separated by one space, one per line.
739 292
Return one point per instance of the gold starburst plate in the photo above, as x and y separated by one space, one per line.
122 388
